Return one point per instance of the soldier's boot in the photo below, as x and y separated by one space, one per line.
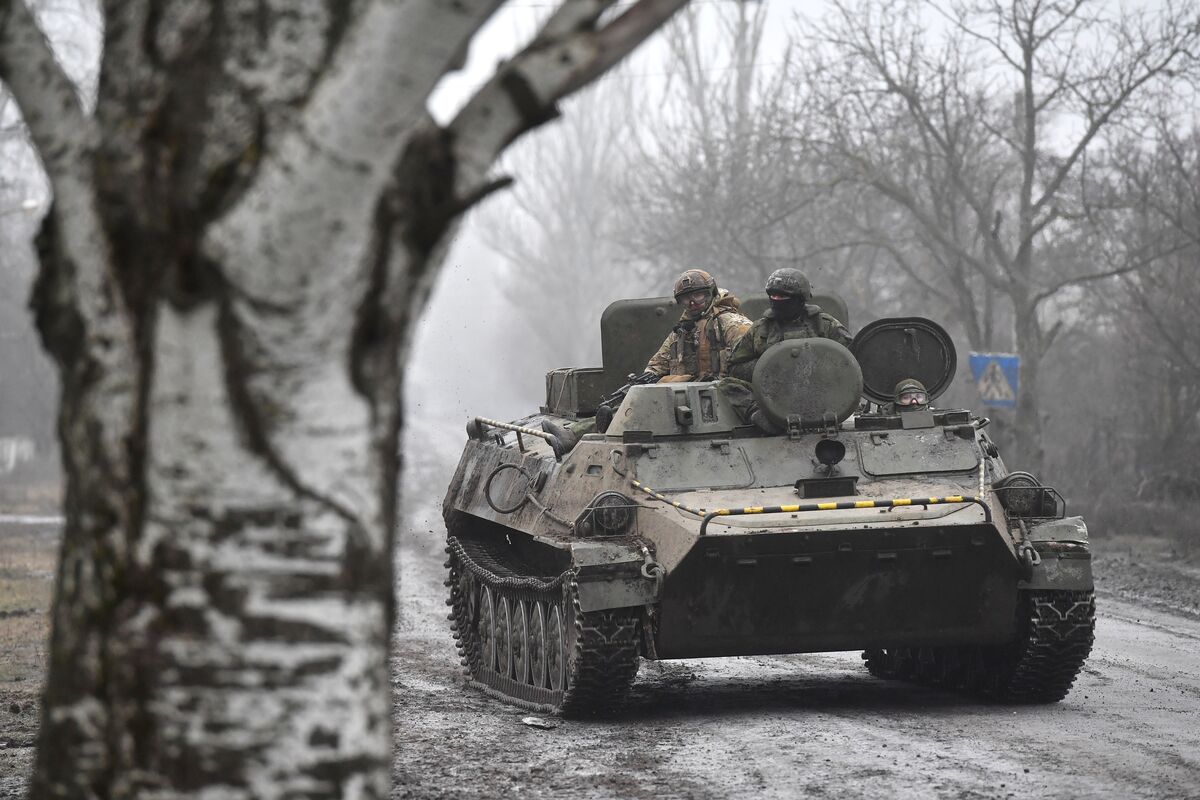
566 437
760 421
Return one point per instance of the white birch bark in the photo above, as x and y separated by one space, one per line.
239 244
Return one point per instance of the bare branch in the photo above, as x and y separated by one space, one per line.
621 37
930 224
1066 15
959 21
57 125
930 131
567 54
1142 69
912 272
1165 332
1047 339
1125 269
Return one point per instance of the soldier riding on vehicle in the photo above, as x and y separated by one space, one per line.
791 316
697 348
910 395
680 532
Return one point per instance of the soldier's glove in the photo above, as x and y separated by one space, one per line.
647 377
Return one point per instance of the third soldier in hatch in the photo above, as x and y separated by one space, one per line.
909 395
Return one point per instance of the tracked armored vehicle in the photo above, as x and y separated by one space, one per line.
682 532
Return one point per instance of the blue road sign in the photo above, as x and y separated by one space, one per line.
996 376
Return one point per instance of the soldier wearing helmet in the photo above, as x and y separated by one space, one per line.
698 347
791 316
910 395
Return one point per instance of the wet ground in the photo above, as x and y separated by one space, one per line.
28 549
819 725
783 726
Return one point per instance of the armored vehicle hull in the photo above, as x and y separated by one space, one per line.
682 532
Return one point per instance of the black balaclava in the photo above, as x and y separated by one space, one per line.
789 308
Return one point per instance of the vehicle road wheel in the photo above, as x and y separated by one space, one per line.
556 662
504 638
537 646
487 629
520 642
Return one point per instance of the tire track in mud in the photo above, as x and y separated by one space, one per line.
803 725
1153 579
453 741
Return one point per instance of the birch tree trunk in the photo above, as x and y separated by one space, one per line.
240 240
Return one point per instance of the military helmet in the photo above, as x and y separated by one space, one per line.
789 281
693 280
911 393
909 383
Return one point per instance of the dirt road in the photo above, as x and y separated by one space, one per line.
814 725
786 726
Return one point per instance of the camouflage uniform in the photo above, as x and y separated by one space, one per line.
699 349
766 331
695 349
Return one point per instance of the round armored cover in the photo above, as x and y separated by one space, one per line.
807 377
890 350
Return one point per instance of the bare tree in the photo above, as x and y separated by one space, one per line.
558 228
1152 193
28 375
730 178
710 180
980 142
241 238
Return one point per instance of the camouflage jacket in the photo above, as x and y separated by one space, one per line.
700 348
767 331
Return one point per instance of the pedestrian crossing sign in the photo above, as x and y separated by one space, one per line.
996 375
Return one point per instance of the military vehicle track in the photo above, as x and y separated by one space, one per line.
1057 630
524 639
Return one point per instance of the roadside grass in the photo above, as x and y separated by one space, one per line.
23 651
1176 524
34 487
28 556
28 561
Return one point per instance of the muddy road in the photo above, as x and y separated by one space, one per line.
816 725
782 726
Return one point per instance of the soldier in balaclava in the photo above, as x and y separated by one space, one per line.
791 316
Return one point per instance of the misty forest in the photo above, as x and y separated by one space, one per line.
262 261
